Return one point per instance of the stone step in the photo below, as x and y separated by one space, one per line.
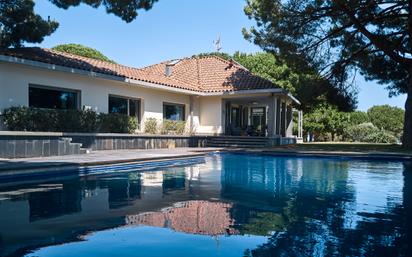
235 145
239 138
237 142
85 150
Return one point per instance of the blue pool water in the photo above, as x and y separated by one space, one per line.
226 205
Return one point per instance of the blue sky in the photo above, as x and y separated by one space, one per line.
171 29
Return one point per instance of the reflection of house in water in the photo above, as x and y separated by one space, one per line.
195 217
94 203
54 203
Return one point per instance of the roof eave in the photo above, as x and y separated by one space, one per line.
254 91
54 67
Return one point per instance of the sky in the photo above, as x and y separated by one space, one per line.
171 29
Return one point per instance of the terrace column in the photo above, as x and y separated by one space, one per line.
277 116
283 119
191 125
289 120
272 116
300 127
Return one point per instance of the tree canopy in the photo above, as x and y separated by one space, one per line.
19 23
387 117
341 38
125 9
82 50
380 124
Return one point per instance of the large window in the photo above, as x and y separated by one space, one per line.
124 105
53 98
173 111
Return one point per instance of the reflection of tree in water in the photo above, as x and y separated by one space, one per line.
305 214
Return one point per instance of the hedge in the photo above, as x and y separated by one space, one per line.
53 120
173 127
367 132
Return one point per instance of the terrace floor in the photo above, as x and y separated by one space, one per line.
383 151
102 157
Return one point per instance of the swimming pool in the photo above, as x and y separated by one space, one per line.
227 205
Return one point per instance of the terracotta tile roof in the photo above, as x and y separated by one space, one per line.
212 74
195 217
198 74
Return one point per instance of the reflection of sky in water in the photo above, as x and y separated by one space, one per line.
151 242
377 189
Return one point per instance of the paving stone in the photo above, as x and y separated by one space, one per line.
46 148
3 148
37 148
29 148
20 148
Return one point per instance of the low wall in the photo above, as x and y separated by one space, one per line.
14 144
41 145
130 141
288 141
276 141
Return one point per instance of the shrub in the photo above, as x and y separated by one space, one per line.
150 126
30 119
381 136
36 119
117 123
180 127
367 132
388 118
358 133
173 127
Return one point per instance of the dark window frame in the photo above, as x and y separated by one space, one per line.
139 100
175 104
54 88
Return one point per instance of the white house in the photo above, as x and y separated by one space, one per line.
212 95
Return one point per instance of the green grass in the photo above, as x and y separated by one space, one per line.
349 147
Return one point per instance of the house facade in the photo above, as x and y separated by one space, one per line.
214 96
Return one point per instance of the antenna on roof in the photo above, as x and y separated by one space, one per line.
217 44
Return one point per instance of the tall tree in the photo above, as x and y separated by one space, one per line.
125 9
387 117
342 37
82 50
299 79
19 23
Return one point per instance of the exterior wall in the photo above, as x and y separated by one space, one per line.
206 116
210 115
15 80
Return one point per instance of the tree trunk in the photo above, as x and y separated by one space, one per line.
407 127
407 124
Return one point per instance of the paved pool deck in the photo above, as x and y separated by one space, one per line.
128 156
375 155
102 158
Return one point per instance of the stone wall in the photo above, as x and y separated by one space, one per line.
36 146
41 144
117 141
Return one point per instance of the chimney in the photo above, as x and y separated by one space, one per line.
169 67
